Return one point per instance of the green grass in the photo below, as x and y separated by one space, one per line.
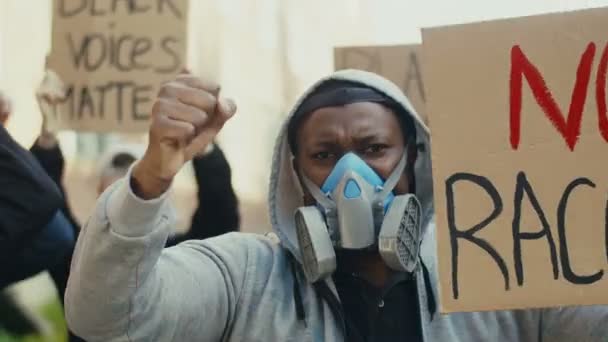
53 313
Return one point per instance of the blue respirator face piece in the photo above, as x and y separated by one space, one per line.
350 162
357 210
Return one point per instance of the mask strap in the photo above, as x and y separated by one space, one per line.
318 195
393 179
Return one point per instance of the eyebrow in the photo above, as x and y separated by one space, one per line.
368 138
330 142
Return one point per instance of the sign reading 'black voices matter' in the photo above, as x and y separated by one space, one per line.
112 56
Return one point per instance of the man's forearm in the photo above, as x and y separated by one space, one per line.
145 185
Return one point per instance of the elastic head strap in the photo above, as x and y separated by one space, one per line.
318 195
393 179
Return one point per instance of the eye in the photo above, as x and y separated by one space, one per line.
323 155
375 149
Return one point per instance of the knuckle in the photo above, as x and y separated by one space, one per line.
195 81
159 107
167 89
188 130
211 101
184 77
200 117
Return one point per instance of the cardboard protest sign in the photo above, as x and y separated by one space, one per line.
113 56
520 144
400 63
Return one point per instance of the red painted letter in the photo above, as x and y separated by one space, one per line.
600 94
570 128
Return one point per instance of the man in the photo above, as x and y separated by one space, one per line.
352 136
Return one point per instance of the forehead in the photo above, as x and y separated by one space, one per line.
353 119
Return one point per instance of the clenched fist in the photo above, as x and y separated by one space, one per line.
186 116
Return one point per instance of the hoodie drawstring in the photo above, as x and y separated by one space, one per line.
297 295
430 297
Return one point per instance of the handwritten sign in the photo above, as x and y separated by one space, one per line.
401 64
520 144
113 56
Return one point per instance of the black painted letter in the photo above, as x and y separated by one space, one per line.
468 234
563 242
415 75
166 46
63 12
522 186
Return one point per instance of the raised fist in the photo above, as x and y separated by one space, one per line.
186 117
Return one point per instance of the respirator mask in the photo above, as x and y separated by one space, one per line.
357 210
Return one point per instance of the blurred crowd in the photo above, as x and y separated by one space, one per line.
38 231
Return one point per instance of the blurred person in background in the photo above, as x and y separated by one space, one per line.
351 166
12 317
115 163
31 218
52 247
35 234
46 146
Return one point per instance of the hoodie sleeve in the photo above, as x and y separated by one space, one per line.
125 287
579 323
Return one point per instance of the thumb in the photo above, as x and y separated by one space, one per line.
225 109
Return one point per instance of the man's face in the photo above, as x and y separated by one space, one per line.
370 130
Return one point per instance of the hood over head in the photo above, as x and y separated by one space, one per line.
286 193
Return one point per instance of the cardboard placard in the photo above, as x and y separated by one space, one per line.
520 145
113 56
400 63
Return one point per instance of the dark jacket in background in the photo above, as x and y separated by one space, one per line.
28 197
217 212
53 163
32 199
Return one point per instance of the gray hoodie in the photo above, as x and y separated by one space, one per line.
242 287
